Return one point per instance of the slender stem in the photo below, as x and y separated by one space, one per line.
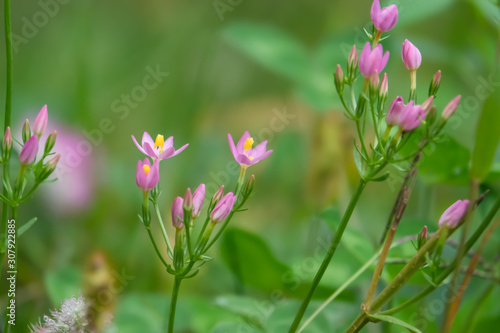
221 230
241 180
173 304
207 220
329 255
413 85
156 247
163 230
376 38
472 240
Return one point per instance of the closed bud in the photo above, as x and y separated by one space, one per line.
29 151
188 200
435 84
374 84
178 213
198 198
352 63
426 106
40 122
51 141
26 133
384 86
247 190
412 58
7 144
449 110
218 195
452 216
339 80
49 167
422 237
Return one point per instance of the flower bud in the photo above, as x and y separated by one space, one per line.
26 132
339 80
29 151
384 87
7 144
426 106
374 84
422 237
352 63
40 122
223 208
248 188
51 141
452 216
449 110
384 19
394 113
188 200
49 167
412 58
435 84
218 195
178 213
198 198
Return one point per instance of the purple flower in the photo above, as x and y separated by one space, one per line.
243 152
412 58
41 122
223 208
384 19
449 110
372 61
158 149
147 176
454 214
178 213
198 198
29 150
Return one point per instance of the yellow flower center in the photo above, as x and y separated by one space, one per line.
248 144
160 142
146 169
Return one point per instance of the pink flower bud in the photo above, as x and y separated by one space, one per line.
411 56
384 19
422 237
435 83
29 151
449 110
384 86
454 214
372 61
178 213
426 106
198 198
7 140
394 113
339 80
41 122
411 117
26 131
223 208
147 176
219 194
188 200
51 141
352 60
49 167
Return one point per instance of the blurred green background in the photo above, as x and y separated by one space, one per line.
233 66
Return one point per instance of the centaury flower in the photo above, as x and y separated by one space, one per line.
223 208
41 122
158 149
198 198
384 19
454 214
147 176
243 152
373 61
178 213
29 150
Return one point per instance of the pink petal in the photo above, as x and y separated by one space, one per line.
146 138
240 147
231 145
169 152
180 149
169 142
138 146
150 151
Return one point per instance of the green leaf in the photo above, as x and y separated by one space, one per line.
63 283
251 260
487 137
396 321
270 47
26 226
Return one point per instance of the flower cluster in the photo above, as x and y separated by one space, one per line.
72 317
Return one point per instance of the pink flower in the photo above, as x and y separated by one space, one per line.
41 122
454 214
147 176
158 149
384 19
372 61
243 152
29 150
223 208
394 113
412 58
407 117
7 140
198 198
178 213
449 110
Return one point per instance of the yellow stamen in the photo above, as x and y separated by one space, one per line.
146 169
250 158
160 141
248 144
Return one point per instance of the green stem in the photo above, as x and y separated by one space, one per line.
472 240
329 255
163 230
155 246
173 304
241 180
221 230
